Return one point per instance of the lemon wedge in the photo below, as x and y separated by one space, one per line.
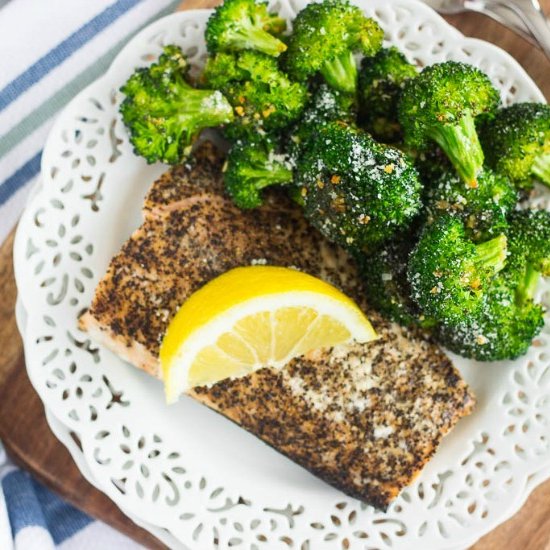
254 317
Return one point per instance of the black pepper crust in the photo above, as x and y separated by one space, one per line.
202 172
365 418
192 234
369 440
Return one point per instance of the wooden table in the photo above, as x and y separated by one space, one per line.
26 436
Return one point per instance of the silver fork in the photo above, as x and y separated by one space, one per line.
525 17
534 18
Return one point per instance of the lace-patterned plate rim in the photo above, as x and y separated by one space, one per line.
71 441
67 439
66 238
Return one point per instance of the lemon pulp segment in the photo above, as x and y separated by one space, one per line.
253 317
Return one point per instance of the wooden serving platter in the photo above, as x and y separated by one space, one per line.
27 438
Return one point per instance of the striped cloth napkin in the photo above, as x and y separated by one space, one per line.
50 51
33 518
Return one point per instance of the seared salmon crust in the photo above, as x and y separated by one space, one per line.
365 418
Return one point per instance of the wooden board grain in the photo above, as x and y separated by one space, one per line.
26 436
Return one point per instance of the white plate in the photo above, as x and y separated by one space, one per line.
184 471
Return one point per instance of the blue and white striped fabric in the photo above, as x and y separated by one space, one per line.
50 51
33 518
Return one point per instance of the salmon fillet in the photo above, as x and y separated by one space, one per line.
365 418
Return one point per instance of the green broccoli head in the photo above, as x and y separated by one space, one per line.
483 209
239 25
265 100
357 192
502 329
164 114
448 273
381 81
252 167
384 278
517 143
509 318
325 105
529 240
324 38
441 105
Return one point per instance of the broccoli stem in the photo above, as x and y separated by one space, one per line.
341 72
194 110
491 255
203 109
251 37
526 289
461 144
275 174
541 168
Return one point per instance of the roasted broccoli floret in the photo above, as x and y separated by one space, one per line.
381 81
504 327
441 105
384 277
529 239
325 105
509 319
483 209
324 38
449 273
517 143
357 192
264 98
431 164
164 114
252 167
244 25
